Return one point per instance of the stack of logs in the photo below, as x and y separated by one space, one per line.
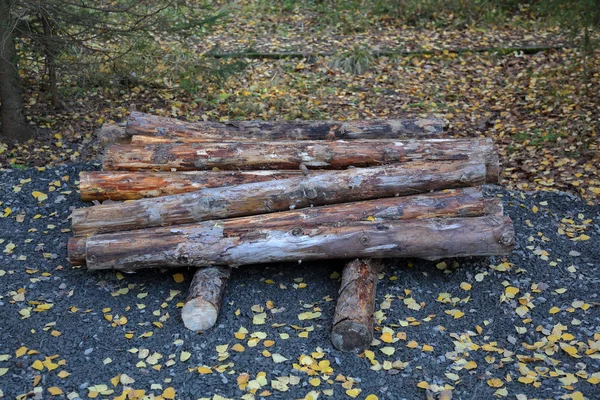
217 196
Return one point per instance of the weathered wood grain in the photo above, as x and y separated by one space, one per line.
352 329
331 187
188 246
125 185
238 131
448 203
290 155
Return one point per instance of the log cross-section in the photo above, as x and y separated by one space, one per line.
201 308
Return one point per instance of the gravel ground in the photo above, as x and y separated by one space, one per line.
525 326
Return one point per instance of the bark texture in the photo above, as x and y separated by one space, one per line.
145 124
468 202
353 320
331 187
201 308
187 246
14 125
290 155
117 185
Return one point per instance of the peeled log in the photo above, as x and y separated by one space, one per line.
448 203
330 187
125 185
201 308
290 155
237 131
353 321
187 246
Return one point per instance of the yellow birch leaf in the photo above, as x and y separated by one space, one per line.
55 391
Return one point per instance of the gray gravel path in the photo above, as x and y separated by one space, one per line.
523 327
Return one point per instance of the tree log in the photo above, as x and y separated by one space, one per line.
201 308
353 320
238 131
331 187
468 202
117 185
187 246
290 155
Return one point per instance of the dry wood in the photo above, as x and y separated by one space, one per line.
124 185
331 187
290 155
188 246
145 124
353 320
448 203
201 308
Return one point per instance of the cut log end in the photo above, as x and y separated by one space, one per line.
199 315
201 308
351 336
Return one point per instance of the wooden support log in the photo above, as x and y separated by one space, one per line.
290 155
331 187
187 246
145 124
468 202
125 185
201 308
353 320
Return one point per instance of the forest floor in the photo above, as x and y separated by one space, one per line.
544 118
524 326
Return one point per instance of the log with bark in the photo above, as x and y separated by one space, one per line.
125 185
145 124
180 246
201 308
353 320
290 155
468 202
331 187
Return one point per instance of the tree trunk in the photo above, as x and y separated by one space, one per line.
145 124
331 187
201 308
468 202
14 125
187 246
49 53
353 320
136 185
290 155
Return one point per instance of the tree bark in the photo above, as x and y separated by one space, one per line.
49 45
137 185
468 202
187 246
353 320
145 124
14 125
290 155
201 308
331 187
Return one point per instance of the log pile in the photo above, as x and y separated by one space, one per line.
218 196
